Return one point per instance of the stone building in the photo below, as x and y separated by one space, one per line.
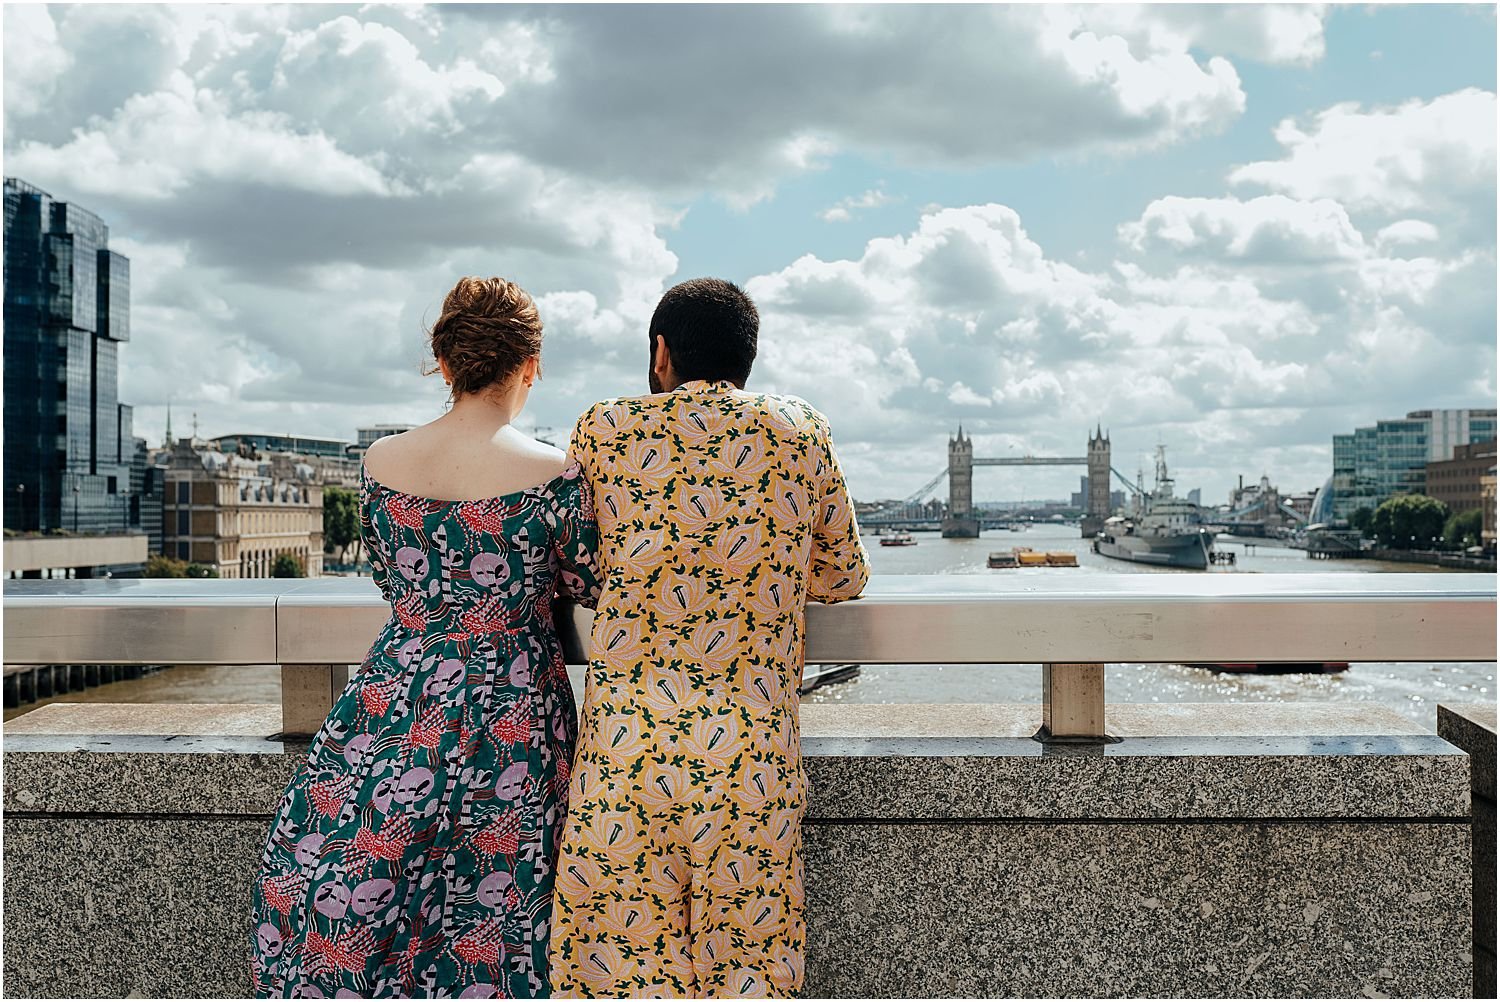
238 513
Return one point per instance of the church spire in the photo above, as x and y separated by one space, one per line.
169 425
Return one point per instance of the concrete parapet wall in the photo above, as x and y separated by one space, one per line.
1471 726
33 553
1227 850
1136 909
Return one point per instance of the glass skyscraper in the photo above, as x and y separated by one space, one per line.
69 443
1377 463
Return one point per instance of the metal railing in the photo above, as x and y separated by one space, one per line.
316 629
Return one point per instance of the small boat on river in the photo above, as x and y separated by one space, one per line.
1273 667
1025 556
898 539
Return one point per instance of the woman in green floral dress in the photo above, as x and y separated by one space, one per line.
414 851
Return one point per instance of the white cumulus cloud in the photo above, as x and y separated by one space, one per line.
1415 156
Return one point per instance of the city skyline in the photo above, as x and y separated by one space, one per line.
1184 223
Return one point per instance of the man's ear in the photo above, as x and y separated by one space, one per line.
661 361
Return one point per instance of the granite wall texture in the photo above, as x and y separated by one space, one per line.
1160 909
942 860
156 908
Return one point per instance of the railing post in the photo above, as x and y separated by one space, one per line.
307 694
1073 702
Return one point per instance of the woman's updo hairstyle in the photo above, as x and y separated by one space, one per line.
489 328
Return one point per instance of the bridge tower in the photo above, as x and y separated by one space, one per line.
1098 500
961 522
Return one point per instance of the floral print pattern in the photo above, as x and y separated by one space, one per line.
414 852
720 514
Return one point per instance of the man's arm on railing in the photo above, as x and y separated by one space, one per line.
840 566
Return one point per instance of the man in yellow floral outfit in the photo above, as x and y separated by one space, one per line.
721 514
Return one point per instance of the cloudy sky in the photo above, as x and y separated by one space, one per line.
1233 230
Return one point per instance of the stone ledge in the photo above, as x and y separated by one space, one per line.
1471 726
1177 779
158 719
931 720
907 763
819 720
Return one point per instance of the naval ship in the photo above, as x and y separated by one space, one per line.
1161 529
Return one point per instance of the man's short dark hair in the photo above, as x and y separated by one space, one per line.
710 327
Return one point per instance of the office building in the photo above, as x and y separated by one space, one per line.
301 445
1459 482
69 445
365 436
1378 462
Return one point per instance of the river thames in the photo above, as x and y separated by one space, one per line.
1413 689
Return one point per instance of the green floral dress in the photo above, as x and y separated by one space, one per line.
414 851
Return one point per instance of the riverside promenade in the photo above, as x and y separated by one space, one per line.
1073 848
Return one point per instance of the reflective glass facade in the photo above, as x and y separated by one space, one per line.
69 446
300 444
1377 463
113 289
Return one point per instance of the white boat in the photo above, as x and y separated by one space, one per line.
1161 529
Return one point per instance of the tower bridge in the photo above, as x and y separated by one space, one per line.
963 521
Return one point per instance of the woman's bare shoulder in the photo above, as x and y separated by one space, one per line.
542 459
394 449
431 462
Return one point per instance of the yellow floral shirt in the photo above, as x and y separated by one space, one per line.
721 513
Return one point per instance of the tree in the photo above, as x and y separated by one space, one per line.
1360 519
286 566
1464 529
1409 521
340 520
159 565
